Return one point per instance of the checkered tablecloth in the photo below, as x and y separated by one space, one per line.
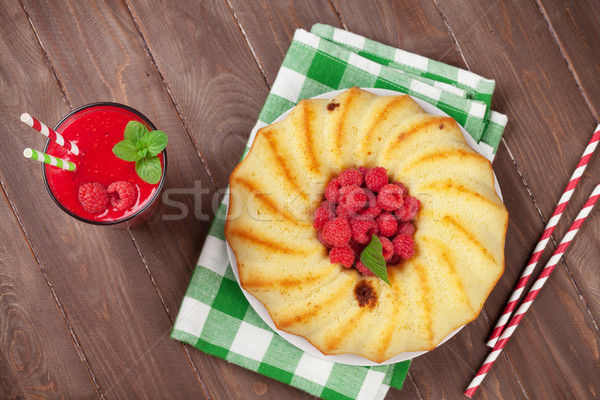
215 317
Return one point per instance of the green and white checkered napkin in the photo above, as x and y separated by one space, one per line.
215 317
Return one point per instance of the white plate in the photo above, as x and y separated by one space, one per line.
302 343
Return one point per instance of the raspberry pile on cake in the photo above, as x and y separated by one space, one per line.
361 203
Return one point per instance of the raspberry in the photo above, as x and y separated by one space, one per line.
337 232
350 177
123 195
362 269
343 190
387 224
327 204
390 197
387 248
352 198
401 186
357 248
406 228
363 170
362 229
376 178
93 197
343 255
371 210
409 209
395 260
332 191
322 215
341 211
322 240
404 246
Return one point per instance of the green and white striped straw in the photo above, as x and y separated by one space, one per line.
48 159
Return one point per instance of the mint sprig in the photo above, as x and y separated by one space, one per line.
142 146
372 258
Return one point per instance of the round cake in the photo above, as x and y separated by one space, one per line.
458 241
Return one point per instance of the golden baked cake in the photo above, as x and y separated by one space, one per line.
458 240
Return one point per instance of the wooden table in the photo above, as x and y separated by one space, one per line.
86 311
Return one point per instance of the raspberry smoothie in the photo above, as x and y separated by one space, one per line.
104 189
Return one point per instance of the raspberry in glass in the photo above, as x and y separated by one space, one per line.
122 195
93 197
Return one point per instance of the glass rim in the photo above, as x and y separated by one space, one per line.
138 212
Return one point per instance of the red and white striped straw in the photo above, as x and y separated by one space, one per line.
49 133
543 241
533 292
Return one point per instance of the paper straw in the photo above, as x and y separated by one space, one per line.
543 241
49 133
48 159
533 292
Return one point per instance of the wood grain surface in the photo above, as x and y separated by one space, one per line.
87 311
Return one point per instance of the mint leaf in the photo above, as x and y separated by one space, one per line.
134 131
143 153
149 169
126 150
372 258
142 146
154 142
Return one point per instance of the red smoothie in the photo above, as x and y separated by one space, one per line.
95 129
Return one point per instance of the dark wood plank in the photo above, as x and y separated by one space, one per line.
278 21
534 86
219 89
550 124
32 364
174 235
414 26
574 25
97 273
575 28
210 71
